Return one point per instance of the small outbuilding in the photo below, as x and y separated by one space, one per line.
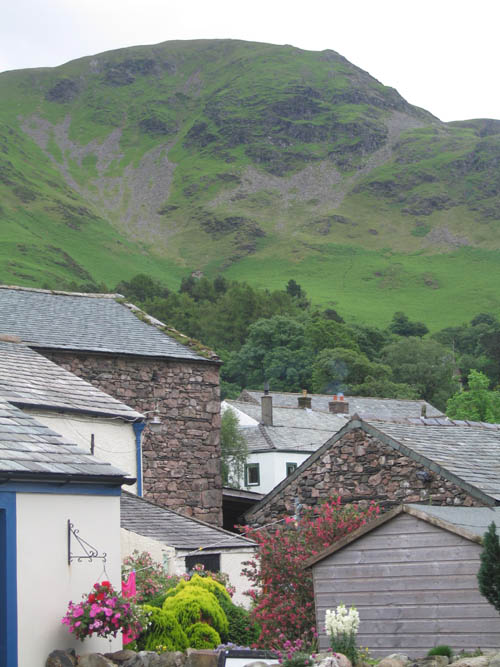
182 542
412 575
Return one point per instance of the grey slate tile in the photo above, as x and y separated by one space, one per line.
31 453
472 453
28 379
173 529
96 323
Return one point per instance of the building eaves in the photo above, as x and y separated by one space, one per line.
30 451
447 518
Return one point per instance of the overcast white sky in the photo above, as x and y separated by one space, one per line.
442 55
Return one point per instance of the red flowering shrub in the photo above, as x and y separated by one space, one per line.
282 591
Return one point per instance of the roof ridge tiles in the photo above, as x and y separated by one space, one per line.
94 295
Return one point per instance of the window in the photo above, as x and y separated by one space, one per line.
252 474
211 562
290 467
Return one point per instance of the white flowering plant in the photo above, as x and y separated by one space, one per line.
342 626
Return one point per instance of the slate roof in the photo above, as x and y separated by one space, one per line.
30 451
474 520
29 379
466 452
380 408
91 322
173 529
293 429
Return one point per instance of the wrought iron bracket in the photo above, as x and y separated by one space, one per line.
89 552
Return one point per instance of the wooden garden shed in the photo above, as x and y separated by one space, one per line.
411 574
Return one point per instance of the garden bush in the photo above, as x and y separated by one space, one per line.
163 630
442 649
202 635
192 604
243 631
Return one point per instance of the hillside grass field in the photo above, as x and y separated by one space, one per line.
259 162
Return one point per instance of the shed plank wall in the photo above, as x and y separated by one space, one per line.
415 587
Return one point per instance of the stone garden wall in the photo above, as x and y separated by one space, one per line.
182 462
360 468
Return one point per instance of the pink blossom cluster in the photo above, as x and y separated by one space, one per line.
282 590
102 612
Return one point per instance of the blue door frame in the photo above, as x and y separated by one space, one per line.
8 580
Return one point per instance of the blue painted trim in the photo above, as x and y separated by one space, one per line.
8 580
62 489
138 429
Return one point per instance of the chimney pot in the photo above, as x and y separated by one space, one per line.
304 401
339 406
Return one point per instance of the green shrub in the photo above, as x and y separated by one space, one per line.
163 630
242 630
202 635
489 571
192 604
442 649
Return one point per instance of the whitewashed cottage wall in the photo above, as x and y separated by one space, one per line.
46 582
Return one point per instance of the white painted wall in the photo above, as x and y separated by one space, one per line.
160 552
114 438
273 468
45 581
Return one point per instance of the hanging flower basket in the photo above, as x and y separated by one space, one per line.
103 612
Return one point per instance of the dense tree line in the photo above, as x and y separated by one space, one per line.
279 337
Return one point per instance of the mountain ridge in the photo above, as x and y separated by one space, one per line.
245 158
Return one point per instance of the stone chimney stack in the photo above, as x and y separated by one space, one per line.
304 400
266 404
338 405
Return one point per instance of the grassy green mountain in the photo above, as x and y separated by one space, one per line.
262 162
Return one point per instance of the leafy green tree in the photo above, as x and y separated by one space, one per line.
489 571
371 340
383 387
336 370
322 333
293 288
275 350
234 450
426 366
142 288
401 326
476 404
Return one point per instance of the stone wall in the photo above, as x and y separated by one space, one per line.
360 468
181 463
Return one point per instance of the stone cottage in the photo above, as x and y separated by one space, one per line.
417 460
283 429
152 368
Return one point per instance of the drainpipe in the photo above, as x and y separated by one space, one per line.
138 429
